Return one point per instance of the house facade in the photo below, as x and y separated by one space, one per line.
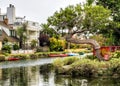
33 28
7 33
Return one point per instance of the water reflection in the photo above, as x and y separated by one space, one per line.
25 63
40 75
68 81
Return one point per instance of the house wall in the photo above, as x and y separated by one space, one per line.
0 45
33 31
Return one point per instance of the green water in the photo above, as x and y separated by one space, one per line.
39 75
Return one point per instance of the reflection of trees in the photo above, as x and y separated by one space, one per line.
33 75
69 81
23 76
23 80
29 76
45 70
16 76
108 81
5 73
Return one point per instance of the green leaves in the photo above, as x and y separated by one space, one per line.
113 5
87 17
22 34
96 17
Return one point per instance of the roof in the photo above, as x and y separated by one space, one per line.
2 23
10 39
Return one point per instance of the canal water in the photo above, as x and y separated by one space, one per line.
39 73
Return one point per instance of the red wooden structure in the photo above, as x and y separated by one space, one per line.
105 51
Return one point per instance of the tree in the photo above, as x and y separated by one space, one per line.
34 43
46 29
114 6
79 19
65 18
44 40
89 18
22 34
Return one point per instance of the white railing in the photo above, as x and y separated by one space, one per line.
22 51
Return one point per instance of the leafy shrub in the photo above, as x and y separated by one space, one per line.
39 49
70 60
58 63
33 56
82 67
6 54
85 67
56 44
20 56
115 66
84 70
115 54
91 57
42 55
33 43
77 50
6 49
44 40
15 47
88 68
2 57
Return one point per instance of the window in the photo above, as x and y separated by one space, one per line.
33 24
0 32
10 32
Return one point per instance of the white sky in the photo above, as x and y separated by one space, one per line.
37 10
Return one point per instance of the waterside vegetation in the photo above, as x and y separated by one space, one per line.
26 56
88 66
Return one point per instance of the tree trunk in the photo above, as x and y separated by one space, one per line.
92 42
21 43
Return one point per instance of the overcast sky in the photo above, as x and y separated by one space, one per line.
36 10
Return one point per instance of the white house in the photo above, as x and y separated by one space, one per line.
6 32
33 28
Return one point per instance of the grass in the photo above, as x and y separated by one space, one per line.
77 50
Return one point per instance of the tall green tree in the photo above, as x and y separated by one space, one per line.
65 18
84 18
114 6
46 29
77 19
22 34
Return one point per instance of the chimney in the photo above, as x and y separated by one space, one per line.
10 5
6 21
